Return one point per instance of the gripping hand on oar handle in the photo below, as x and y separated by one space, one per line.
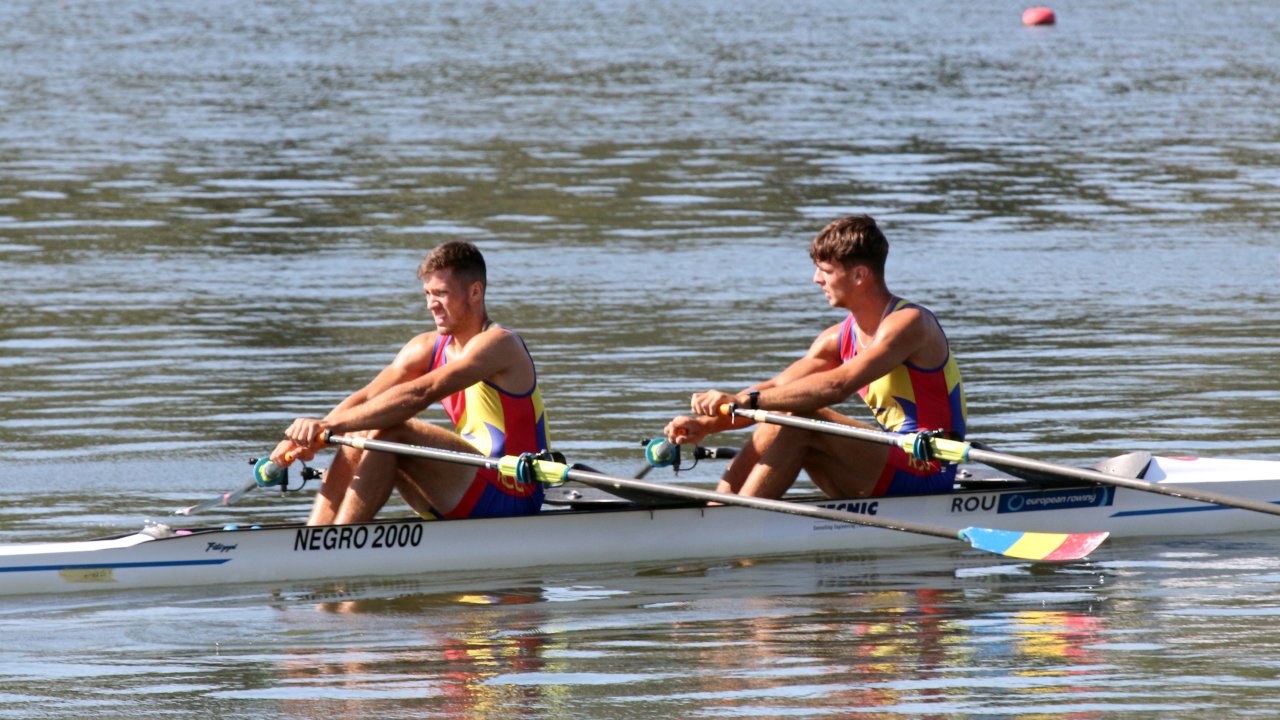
707 419
303 438
710 402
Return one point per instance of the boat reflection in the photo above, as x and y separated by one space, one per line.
741 637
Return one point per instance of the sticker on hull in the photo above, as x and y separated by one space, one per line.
358 537
1031 501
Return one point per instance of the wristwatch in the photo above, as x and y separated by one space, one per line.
753 399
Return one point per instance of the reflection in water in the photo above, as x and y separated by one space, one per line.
501 649
885 637
450 669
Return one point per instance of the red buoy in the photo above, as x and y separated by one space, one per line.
1038 16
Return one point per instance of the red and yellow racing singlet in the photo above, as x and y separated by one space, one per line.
495 421
912 398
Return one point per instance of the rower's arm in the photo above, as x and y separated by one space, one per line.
486 356
823 355
902 335
413 361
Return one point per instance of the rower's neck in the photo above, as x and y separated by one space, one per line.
463 335
872 309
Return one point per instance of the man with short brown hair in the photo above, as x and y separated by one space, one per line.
479 371
890 351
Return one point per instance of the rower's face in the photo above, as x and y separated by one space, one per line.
833 279
448 298
839 282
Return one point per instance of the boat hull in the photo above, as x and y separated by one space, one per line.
289 553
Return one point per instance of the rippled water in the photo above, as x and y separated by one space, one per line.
210 215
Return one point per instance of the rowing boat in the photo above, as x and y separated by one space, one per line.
575 528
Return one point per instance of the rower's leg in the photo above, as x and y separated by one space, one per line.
424 484
779 464
844 467
740 467
372 480
840 467
336 480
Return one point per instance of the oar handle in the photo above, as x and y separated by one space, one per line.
319 441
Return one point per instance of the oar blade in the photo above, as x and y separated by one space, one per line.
1041 547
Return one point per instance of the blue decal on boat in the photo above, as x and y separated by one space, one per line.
114 566
1056 499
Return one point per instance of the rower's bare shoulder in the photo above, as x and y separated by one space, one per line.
918 332
423 342
827 344
497 337
419 351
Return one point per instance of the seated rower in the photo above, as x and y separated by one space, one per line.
892 352
479 371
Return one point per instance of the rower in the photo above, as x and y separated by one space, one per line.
483 375
890 351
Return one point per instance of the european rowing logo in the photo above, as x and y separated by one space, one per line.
1056 499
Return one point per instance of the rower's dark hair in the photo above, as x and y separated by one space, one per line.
853 240
463 258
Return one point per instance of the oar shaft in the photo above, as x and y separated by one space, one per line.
1053 547
548 471
427 453
608 482
227 498
958 451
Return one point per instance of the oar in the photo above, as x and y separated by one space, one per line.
960 451
226 498
232 496
1052 547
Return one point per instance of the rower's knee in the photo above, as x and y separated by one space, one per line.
395 433
765 435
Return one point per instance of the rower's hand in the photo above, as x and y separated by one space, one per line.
288 451
307 434
708 403
685 430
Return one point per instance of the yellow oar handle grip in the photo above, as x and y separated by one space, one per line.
726 409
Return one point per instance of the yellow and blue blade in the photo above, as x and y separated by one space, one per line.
1044 547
